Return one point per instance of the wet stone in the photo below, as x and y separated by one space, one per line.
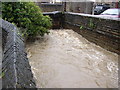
15 64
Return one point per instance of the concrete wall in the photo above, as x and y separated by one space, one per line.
79 7
15 65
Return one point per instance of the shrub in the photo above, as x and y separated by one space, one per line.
28 16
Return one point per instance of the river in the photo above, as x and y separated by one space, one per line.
64 59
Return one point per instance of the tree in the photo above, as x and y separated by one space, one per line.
26 15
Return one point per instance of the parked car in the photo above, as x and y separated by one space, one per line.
101 8
113 12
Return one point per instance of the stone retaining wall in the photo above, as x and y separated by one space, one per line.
15 65
104 32
57 19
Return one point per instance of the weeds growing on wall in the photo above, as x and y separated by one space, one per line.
26 15
92 24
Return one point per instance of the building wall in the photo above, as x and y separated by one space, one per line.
43 0
79 7
49 7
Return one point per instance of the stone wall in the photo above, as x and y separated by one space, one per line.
15 65
104 32
49 7
57 19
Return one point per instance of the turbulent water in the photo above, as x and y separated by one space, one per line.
64 59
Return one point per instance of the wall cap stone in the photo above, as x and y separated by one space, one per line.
94 16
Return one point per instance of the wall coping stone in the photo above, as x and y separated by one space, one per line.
94 16
15 64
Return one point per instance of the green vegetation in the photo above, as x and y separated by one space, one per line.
2 74
81 27
26 15
91 24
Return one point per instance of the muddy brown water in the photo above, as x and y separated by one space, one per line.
64 59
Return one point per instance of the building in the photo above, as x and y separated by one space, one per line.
50 5
79 7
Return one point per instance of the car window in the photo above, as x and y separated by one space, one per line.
98 7
111 12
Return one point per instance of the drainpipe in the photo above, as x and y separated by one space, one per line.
64 6
93 7
116 4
